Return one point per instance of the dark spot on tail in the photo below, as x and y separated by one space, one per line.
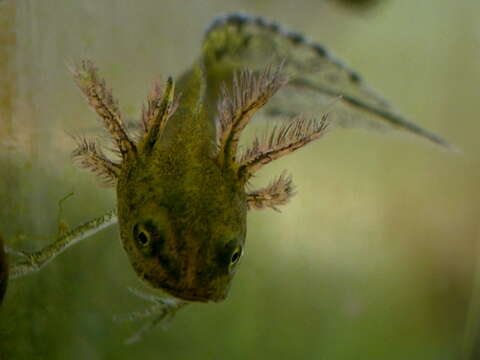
296 38
320 50
237 19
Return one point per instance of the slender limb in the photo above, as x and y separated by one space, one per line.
62 225
33 262
161 311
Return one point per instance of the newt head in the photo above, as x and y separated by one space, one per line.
185 233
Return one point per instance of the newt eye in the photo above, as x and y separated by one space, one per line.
141 236
236 255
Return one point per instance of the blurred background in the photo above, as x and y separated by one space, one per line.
377 257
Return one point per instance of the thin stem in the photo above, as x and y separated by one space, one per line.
35 261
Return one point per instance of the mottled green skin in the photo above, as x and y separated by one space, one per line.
193 209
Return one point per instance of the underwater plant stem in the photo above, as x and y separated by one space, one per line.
33 262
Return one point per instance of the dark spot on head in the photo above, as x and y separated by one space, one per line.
320 50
